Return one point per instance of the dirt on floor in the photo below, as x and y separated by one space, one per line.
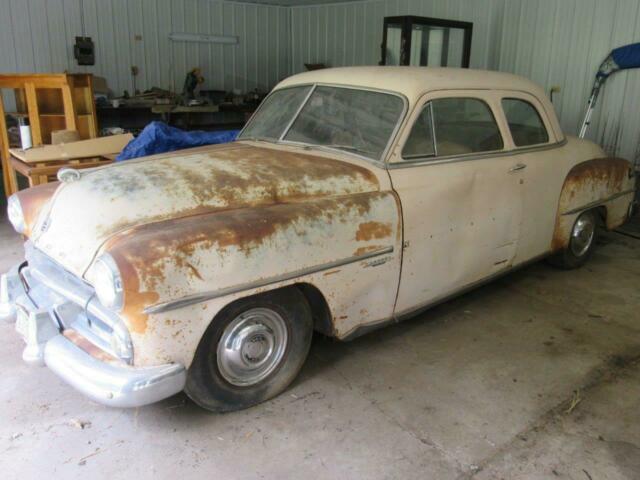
534 376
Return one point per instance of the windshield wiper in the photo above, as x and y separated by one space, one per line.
350 148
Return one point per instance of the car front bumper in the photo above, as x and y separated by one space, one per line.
41 317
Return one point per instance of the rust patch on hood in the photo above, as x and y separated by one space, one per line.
373 230
129 194
32 200
230 178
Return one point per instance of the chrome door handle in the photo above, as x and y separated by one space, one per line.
518 167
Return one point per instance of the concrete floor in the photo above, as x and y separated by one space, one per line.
534 376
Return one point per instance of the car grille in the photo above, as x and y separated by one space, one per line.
73 300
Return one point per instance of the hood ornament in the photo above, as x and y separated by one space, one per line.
68 175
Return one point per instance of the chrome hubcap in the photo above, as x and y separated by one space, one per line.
582 235
252 346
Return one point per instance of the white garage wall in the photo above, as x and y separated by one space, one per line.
351 33
563 43
514 36
38 36
554 42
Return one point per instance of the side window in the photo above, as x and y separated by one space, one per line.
453 126
465 125
524 122
420 141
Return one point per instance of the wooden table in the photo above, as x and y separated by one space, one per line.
45 172
41 164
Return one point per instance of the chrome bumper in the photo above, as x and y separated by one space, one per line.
40 317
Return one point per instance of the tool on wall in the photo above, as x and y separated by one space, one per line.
621 58
84 51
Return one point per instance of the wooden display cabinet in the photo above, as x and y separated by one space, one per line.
51 102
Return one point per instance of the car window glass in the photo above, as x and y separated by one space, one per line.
524 122
275 113
464 125
420 140
350 119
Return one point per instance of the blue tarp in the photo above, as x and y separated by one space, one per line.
627 56
158 137
621 58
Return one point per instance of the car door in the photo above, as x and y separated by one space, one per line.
538 153
460 195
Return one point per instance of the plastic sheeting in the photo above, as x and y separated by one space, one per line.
158 137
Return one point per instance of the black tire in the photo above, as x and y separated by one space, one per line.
579 249
208 386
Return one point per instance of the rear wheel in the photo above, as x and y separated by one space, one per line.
581 242
251 351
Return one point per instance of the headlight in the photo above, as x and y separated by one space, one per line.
15 214
107 282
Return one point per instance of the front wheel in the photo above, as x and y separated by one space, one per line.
251 351
581 243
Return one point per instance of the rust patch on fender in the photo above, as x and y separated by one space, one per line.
32 200
372 230
135 300
144 253
332 272
588 182
364 250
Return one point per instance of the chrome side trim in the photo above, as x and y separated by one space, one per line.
210 295
599 202
474 156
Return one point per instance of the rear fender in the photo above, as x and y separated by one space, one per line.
599 182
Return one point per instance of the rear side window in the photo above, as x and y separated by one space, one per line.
524 122
453 126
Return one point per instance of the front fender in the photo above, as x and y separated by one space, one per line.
192 267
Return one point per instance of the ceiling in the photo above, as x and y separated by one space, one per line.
294 3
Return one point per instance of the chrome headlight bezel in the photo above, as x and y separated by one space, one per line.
107 282
16 214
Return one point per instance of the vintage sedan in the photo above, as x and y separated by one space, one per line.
354 197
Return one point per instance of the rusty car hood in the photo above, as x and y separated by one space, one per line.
87 212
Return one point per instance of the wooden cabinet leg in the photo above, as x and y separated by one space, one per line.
10 181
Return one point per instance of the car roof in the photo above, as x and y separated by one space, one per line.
415 81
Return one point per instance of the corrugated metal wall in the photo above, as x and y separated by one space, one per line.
563 43
38 36
351 33
553 42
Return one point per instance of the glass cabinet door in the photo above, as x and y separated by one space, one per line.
393 33
422 41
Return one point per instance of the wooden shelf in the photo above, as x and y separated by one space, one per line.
51 102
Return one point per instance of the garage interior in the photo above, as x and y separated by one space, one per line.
533 376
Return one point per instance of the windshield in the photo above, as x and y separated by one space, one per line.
358 121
